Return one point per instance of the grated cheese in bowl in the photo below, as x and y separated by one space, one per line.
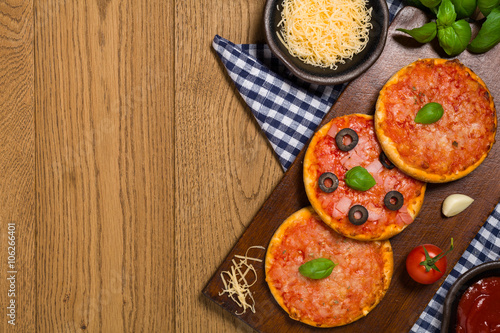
324 33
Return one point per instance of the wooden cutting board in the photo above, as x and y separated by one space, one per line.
405 299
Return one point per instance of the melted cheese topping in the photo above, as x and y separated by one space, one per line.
236 281
324 156
355 285
459 139
324 33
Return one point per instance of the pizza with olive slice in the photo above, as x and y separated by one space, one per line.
439 150
353 187
359 279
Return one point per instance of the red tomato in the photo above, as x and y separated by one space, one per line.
427 269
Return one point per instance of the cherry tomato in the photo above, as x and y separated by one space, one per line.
427 268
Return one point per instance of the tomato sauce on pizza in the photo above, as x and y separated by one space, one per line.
355 286
454 145
324 156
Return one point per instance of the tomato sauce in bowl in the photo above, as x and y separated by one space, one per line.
476 308
479 307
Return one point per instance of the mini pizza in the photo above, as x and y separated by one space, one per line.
341 148
360 277
449 148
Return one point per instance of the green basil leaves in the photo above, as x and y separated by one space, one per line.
489 34
446 14
487 6
464 8
453 35
430 113
454 39
452 26
318 268
359 178
424 34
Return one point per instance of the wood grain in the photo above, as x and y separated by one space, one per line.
225 168
105 173
17 165
405 299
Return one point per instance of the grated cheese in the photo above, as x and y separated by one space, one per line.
236 283
324 33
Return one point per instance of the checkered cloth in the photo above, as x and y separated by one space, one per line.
289 110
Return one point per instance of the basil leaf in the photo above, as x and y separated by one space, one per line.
424 34
446 14
418 4
430 3
486 6
359 178
318 268
454 39
430 113
489 34
464 8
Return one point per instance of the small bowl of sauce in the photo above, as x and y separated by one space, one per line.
473 302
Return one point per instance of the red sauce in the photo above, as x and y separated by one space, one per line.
479 307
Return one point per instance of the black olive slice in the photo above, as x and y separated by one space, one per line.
355 211
332 177
339 139
385 161
396 197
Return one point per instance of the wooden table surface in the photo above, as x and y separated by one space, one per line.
129 164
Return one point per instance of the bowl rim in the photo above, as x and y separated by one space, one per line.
325 80
455 290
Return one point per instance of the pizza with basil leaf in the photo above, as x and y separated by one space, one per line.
436 120
353 187
322 278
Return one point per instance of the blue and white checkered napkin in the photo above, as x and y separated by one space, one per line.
289 111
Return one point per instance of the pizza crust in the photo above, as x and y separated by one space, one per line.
342 225
420 169
381 250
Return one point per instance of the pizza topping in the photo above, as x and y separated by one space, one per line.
455 204
451 147
429 113
328 182
394 200
343 205
358 215
236 281
356 284
316 269
346 139
385 161
322 156
359 179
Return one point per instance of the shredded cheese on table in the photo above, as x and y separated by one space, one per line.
236 282
324 33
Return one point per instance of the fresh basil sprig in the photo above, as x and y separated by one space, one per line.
489 34
453 36
453 31
429 113
359 178
318 268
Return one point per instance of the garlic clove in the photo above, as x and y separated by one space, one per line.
456 203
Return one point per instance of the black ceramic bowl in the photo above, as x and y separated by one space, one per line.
325 76
456 291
